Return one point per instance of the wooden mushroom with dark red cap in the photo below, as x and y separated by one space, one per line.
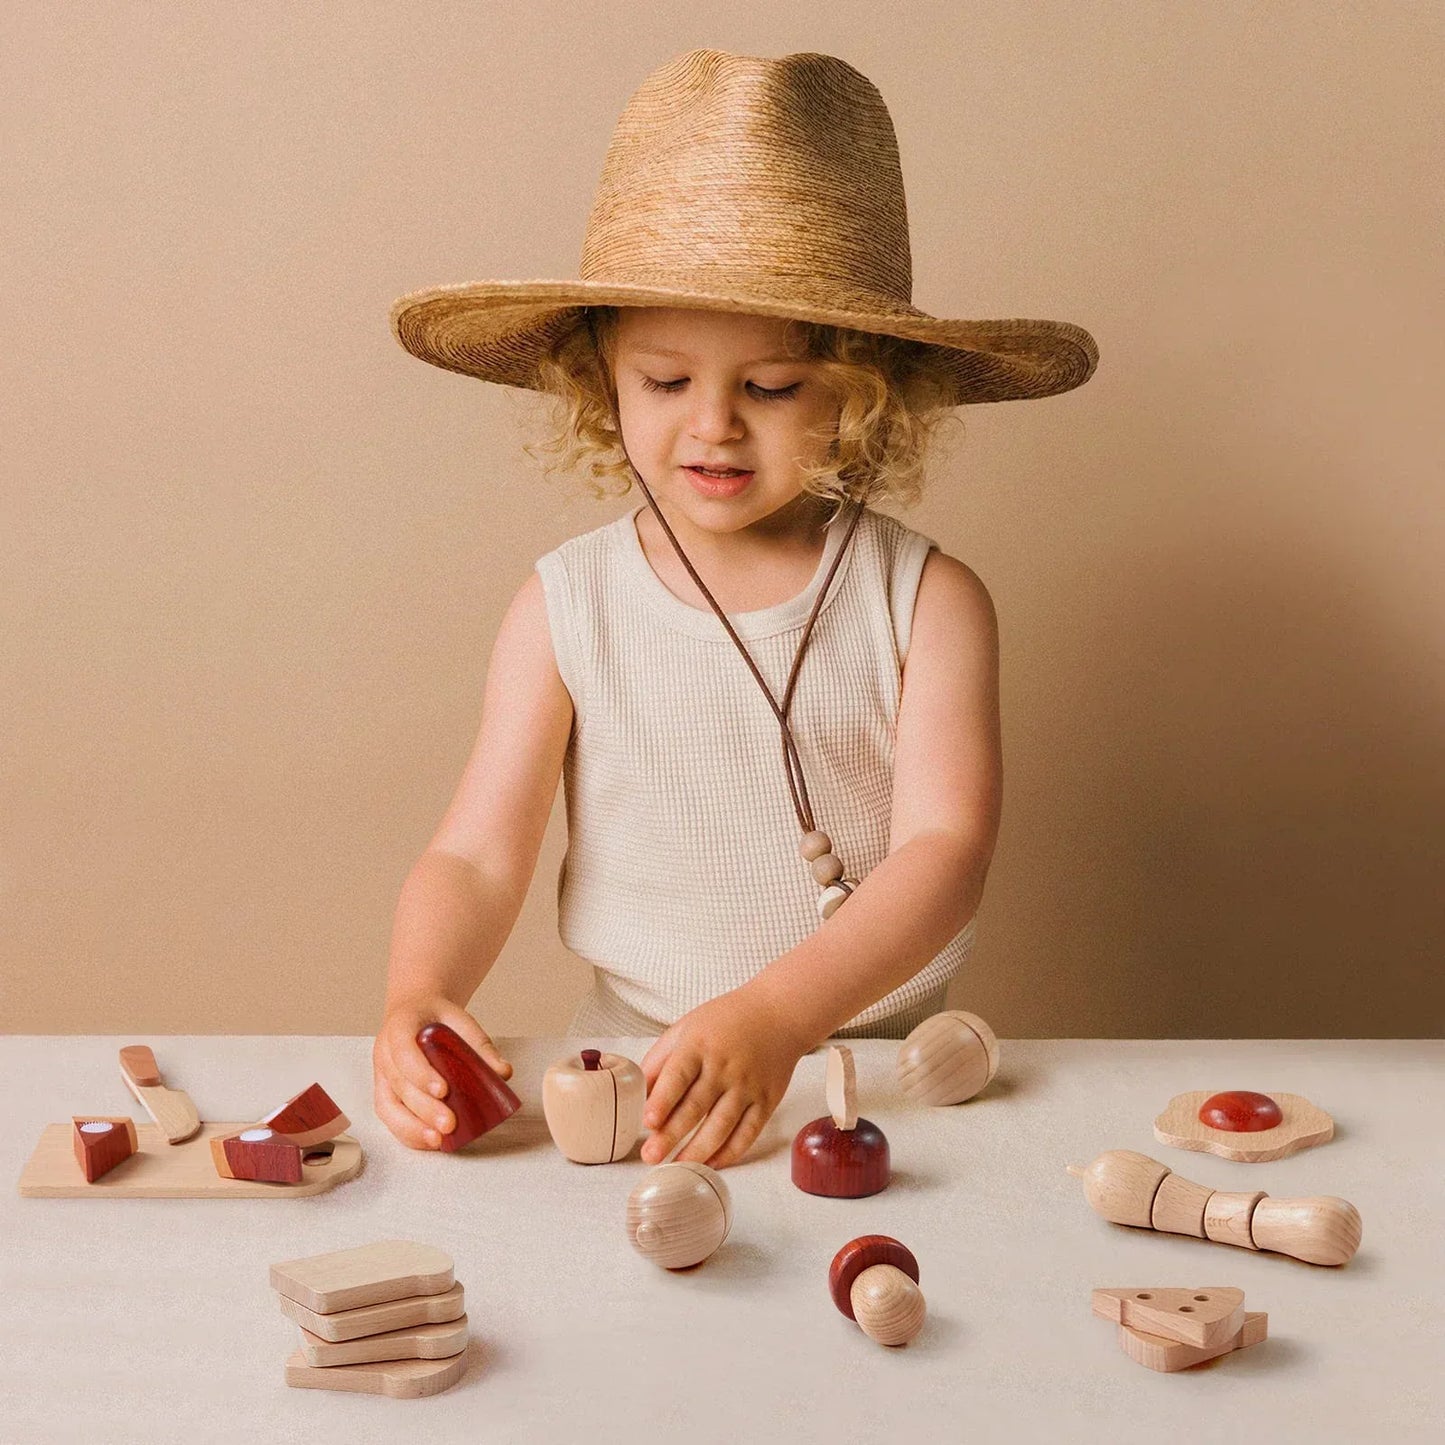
840 1155
874 1280
476 1093
593 1105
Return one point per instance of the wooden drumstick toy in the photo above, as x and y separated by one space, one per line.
1131 1188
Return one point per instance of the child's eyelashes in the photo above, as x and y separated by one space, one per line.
763 393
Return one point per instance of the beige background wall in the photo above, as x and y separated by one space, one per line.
253 555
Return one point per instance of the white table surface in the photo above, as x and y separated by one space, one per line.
153 1320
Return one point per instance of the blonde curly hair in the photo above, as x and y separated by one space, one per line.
892 401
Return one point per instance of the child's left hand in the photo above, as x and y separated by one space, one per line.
727 1063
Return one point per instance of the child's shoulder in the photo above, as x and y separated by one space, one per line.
594 541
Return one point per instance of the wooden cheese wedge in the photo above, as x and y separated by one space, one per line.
170 1108
1157 1353
1204 1317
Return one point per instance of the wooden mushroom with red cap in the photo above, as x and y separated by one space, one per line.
593 1105
874 1280
476 1093
840 1155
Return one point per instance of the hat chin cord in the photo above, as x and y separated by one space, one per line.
815 847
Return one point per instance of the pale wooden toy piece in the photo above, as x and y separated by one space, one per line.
1158 1353
377 1319
1206 1317
414 1342
310 1117
841 1087
947 1059
100 1142
158 1171
402 1379
1303 1126
172 1109
593 1103
1131 1188
679 1214
341 1279
873 1280
257 1153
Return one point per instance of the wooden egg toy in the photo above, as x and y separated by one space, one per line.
1130 1188
1240 1124
874 1280
679 1214
841 1156
593 1104
948 1058
476 1093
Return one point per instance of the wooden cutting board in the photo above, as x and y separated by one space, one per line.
162 1170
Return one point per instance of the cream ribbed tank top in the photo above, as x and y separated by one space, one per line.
681 878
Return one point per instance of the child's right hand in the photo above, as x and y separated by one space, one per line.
408 1092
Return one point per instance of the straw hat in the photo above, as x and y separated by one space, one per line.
747 184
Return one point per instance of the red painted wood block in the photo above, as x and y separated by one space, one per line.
258 1153
101 1143
476 1093
309 1118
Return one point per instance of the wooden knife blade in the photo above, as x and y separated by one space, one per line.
170 1108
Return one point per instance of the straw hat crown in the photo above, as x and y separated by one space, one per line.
742 183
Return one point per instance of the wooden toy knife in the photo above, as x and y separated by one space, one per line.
170 1108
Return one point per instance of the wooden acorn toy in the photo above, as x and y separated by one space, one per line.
874 1280
476 1093
948 1058
1130 1188
679 1214
593 1105
841 1156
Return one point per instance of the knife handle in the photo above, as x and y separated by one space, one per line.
138 1064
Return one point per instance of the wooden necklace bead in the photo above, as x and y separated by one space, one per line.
814 845
831 898
827 868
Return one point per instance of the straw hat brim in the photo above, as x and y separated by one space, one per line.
497 330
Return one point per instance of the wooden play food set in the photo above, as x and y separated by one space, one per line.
840 1155
385 1319
593 1105
176 1159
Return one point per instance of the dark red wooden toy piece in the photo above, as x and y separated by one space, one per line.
860 1254
1240 1111
840 1163
476 1093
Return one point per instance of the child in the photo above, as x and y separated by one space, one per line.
745 308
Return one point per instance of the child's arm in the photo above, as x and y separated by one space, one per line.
724 1066
462 896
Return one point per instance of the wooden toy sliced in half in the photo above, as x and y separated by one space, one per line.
842 1156
172 1109
593 1105
1131 1188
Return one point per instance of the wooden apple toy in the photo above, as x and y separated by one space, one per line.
593 1104
476 1093
874 1280
842 1156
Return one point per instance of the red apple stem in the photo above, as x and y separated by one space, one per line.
591 1059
